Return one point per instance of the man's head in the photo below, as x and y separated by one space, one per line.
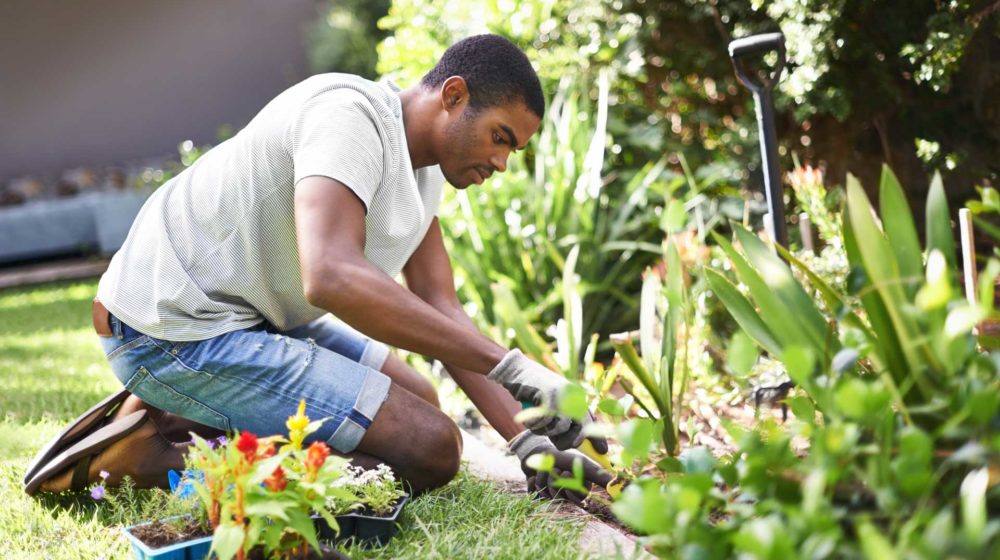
491 104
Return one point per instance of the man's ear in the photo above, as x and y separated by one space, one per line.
454 93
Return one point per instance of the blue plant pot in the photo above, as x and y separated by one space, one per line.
195 549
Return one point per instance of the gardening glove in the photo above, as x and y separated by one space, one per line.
527 444
532 383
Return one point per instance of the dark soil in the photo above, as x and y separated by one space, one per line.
159 534
597 505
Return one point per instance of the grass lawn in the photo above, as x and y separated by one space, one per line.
51 369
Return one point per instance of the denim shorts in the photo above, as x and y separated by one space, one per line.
253 379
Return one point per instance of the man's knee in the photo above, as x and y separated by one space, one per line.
443 458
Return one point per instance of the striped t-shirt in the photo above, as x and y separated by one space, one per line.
214 249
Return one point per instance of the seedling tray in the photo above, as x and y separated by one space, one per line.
368 530
194 549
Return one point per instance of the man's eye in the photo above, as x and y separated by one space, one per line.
497 138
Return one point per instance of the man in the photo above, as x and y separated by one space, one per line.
215 314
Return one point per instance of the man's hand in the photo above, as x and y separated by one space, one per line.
527 444
530 382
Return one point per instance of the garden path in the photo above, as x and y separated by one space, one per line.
597 538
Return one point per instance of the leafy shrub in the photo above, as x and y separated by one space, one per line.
893 449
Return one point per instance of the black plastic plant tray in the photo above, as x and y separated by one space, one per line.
368 530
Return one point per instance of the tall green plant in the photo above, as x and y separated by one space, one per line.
662 369
900 321
512 245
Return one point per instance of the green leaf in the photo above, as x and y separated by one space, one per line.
780 319
874 545
697 460
674 217
573 401
541 462
899 228
227 540
783 284
636 436
269 508
833 300
973 492
803 409
611 407
800 363
742 311
509 311
642 506
937 292
880 264
302 523
939 234
649 323
861 400
742 353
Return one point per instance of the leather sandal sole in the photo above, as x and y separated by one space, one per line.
83 451
77 430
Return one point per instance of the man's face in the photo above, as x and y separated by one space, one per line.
477 144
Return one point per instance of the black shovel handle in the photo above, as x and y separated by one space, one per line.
758 45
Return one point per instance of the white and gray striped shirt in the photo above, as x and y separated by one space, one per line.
214 249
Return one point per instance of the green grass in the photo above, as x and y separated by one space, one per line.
52 368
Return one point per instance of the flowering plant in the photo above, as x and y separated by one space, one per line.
377 489
257 494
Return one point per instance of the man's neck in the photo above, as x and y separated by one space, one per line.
419 107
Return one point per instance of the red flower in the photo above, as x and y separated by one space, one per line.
247 445
316 455
277 481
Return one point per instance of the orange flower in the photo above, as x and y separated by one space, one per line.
315 456
277 481
247 445
266 449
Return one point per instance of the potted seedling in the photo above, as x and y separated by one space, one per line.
256 495
372 516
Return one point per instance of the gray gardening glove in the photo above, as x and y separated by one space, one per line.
532 383
527 444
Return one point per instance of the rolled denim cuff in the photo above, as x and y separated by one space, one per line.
375 355
373 393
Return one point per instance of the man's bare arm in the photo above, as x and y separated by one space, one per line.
429 275
336 276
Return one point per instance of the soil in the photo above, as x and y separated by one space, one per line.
598 506
159 534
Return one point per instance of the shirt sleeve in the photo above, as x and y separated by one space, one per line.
336 134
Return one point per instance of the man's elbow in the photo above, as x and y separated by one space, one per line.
319 287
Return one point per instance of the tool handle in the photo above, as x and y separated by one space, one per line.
754 44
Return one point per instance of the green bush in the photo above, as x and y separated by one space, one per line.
893 450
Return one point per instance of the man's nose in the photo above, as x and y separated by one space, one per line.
499 161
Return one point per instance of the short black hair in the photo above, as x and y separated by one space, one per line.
495 70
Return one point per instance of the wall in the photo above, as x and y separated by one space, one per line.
95 83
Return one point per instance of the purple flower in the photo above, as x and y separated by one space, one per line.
104 475
221 440
97 492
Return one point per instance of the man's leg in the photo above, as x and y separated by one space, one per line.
252 381
336 336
